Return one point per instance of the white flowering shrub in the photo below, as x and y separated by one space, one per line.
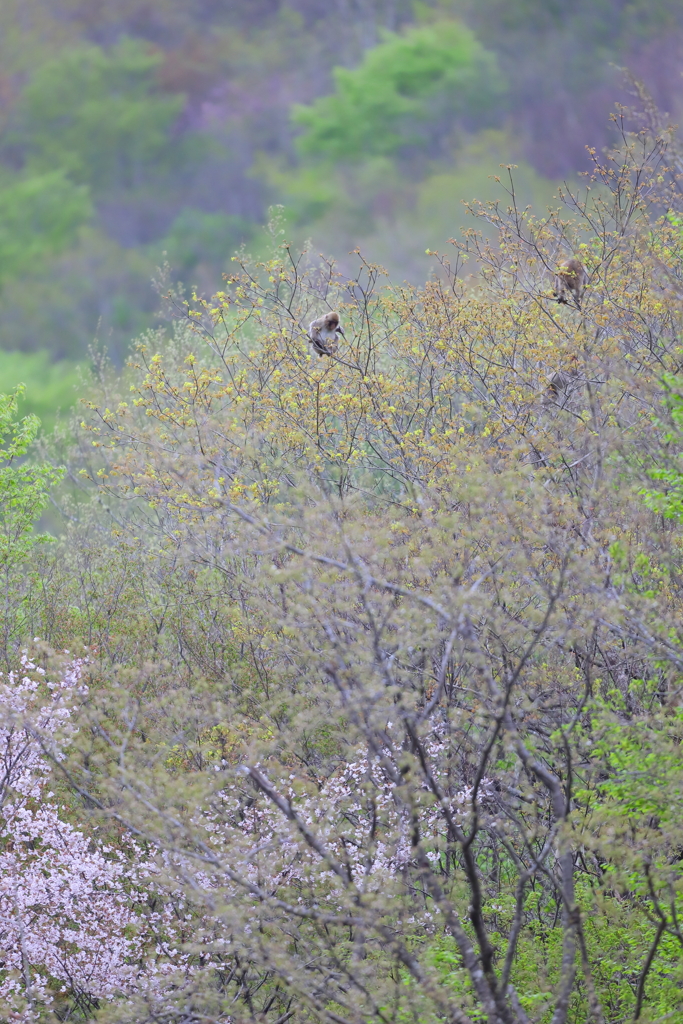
73 929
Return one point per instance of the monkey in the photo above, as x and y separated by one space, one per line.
323 333
573 278
562 380
558 382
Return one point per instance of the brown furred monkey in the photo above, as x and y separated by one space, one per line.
571 277
567 379
323 333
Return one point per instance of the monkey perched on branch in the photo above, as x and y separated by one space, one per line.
323 334
571 277
562 380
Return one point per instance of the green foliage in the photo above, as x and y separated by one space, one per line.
335 569
24 485
39 216
49 387
93 289
634 813
31 32
24 492
668 500
90 125
198 237
395 219
401 94
91 132
376 157
388 158
99 115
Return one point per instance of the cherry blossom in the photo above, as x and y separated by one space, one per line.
69 926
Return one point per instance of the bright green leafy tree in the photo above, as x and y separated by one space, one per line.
407 90
24 494
667 497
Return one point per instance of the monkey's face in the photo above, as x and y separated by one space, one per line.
332 324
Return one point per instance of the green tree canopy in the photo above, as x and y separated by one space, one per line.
411 86
99 115
39 215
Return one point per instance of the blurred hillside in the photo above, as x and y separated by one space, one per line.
134 128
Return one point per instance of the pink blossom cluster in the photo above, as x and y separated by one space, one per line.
357 817
71 921
83 921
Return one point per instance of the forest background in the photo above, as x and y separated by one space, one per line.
133 129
